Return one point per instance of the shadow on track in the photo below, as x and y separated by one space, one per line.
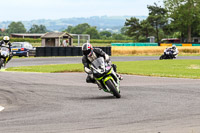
99 98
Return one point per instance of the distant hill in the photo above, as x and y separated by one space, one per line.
110 23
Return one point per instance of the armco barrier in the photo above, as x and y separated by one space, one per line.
64 51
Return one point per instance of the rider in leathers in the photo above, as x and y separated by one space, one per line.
89 55
6 43
172 51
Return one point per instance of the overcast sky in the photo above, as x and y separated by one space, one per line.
18 10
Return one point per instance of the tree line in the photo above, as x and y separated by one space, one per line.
85 28
18 27
176 19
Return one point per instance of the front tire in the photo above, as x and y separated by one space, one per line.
162 57
1 63
112 87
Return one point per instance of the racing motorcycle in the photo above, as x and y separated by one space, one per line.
168 55
4 56
105 76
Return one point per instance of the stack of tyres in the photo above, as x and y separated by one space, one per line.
61 51
47 51
74 51
109 51
40 51
68 51
64 51
80 51
55 51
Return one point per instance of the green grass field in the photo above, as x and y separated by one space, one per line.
161 68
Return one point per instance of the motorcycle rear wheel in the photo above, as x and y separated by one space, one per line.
112 87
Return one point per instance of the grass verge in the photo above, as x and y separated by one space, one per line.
49 68
161 68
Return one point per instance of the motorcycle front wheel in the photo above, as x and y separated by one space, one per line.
112 87
1 63
162 57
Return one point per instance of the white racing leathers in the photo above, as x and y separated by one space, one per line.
169 51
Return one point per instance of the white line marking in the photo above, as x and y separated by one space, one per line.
1 108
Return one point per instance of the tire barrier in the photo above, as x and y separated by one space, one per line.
64 51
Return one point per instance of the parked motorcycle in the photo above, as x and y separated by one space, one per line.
4 56
105 77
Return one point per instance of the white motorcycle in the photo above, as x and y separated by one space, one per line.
4 56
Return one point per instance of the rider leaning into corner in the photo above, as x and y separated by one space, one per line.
6 43
172 50
89 55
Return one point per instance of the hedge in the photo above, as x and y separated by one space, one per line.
31 40
110 41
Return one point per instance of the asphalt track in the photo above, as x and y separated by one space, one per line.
64 103
72 60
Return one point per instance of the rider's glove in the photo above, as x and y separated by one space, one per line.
109 63
87 70
107 59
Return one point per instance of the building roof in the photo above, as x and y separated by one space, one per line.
55 35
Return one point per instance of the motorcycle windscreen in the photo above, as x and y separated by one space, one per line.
4 51
98 63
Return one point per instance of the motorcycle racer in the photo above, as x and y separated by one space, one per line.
6 43
172 51
89 55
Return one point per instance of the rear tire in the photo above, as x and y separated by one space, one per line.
112 87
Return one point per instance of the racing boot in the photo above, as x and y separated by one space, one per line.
119 76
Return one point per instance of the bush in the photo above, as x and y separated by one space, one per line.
110 41
31 40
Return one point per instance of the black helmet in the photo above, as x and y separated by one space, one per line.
87 49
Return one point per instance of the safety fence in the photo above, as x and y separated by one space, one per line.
64 51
